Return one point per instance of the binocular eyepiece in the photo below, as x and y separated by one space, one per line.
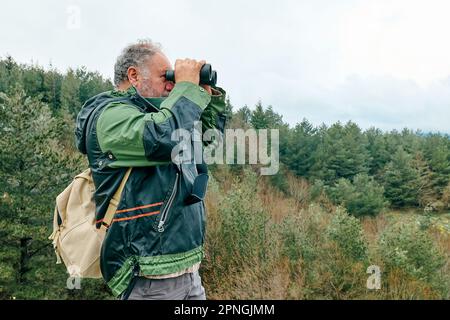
208 76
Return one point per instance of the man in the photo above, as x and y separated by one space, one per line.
154 245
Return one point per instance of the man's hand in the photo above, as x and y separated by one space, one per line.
207 88
188 70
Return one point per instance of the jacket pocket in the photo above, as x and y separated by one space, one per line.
196 181
198 190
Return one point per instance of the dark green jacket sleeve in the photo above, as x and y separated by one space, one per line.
214 116
142 139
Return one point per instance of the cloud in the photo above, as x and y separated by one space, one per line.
381 101
377 63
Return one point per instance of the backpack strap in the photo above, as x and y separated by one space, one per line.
114 202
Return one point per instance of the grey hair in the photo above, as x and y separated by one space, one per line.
134 54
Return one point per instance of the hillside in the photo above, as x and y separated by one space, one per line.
344 199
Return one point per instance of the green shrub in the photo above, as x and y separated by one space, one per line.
243 248
446 197
298 243
362 197
407 248
316 189
328 252
243 220
346 232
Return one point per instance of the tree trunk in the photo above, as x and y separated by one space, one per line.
24 257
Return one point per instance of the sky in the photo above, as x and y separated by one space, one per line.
379 63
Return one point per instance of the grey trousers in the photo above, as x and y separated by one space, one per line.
185 287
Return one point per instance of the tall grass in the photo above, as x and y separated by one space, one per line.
264 244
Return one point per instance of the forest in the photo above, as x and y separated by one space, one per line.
343 200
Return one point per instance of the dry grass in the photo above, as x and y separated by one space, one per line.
373 226
399 286
329 275
276 203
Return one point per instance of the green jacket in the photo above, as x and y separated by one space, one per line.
155 229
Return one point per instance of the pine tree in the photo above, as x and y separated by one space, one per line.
425 187
342 153
401 180
258 118
243 115
10 74
34 168
91 83
70 93
52 83
302 142
378 152
364 196
228 109
439 162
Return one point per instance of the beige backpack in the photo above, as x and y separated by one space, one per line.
76 240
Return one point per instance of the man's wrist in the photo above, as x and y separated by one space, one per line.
215 92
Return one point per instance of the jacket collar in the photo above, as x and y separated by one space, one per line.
148 104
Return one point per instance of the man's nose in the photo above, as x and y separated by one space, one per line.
169 85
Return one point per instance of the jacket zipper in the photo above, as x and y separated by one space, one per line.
167 207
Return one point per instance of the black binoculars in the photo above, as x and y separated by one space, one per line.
208 76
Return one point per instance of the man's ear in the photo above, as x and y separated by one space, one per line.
132 73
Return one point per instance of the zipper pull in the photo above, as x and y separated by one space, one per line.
136 270
168 206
